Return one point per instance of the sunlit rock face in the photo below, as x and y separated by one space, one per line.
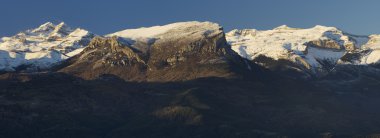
180 51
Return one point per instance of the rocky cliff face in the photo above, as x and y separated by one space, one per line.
183 51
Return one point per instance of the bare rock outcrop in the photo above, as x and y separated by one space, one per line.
187 51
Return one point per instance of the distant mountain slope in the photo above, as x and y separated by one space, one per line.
315 50
42 47
367 55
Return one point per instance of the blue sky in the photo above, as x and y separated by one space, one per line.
106 16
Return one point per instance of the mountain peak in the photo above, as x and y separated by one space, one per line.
61 30
48 26
50 29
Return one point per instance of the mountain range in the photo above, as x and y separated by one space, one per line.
189 79
312 52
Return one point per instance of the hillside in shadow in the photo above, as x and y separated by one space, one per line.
60 105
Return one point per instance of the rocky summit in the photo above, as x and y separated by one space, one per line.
180 51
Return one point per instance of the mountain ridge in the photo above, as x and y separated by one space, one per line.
312 52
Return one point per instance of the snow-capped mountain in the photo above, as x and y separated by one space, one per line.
42 47
179 51
314 49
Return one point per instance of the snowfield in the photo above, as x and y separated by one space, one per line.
180 29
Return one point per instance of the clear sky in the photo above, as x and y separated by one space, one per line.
106 16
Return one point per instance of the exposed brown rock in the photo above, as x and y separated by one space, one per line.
167 59
328 44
